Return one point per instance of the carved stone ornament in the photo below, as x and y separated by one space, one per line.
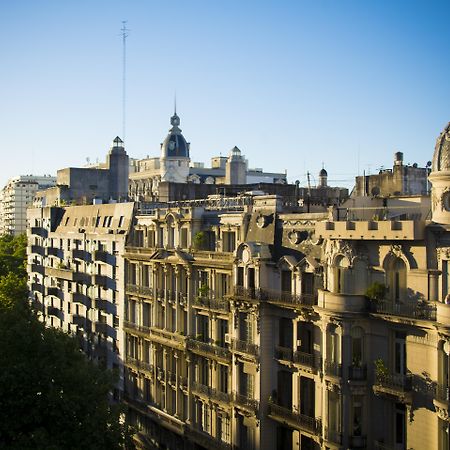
445 199
396 250
294 237
340 247
441 411
262 221
443 253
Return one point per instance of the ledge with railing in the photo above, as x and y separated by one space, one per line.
208 349
295 419
418 311
244 293
139 365
211 392
131 326
145 291
306 360
248 348
210 301
398 386
250 404
333 368
357 372
288 298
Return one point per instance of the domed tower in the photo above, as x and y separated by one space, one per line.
323 178
175 154
440 179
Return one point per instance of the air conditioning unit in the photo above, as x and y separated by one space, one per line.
227 338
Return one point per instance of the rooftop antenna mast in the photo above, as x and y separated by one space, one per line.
124 33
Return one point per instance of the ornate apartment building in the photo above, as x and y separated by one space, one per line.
247 323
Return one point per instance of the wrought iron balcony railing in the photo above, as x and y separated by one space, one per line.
300 421
419 311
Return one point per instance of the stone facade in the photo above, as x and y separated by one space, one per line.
248 322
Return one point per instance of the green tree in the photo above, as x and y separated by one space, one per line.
13 289
13 252
52 396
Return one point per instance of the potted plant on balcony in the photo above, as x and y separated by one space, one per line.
199 240
376 291
202 292
381 370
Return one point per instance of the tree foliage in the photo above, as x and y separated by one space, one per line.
52 396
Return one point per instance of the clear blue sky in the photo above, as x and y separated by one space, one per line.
291 83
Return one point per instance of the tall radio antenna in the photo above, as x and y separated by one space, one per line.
124 34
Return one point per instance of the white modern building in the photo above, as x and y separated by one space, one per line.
16 197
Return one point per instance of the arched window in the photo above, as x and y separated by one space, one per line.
397 279
340 269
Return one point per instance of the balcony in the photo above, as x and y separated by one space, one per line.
288 299
82 299
333 369
166 337
67 274
100 280
54 291
79 320
134 327
39 231
248 293
417 311
53 251
308 360
144 291
106 306
205 440
245 347
82 255
103 256
212 303
441 401
357 372
302 422
38 250
104 328
37 268
209 350
395 386
37 287
139 365
247 403
283 353
338 302
210 392
53 311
